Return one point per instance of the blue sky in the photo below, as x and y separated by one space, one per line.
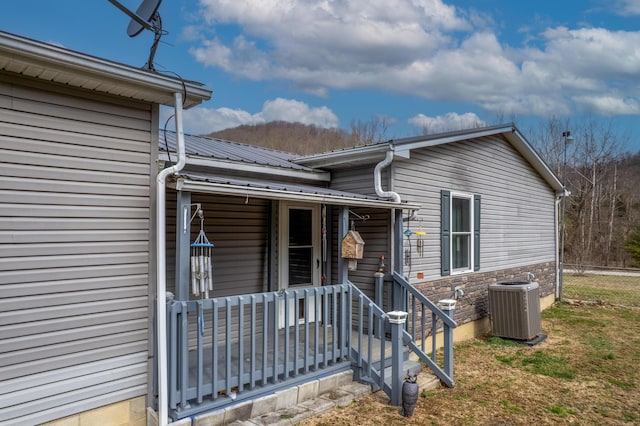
436 64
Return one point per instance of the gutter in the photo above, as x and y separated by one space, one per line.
377 179
161 270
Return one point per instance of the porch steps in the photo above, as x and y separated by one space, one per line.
293 405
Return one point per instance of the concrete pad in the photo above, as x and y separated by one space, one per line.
214 418
344 378
264 405
288 416
358 390
319 405
307 391
287 398
327 384
340 397
241 411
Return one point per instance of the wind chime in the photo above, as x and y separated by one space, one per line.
201 263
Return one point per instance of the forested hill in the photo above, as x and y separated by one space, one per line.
290 137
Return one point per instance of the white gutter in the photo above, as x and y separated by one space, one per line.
377 179
185 184
161 270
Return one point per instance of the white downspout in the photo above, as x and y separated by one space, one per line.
377 184
557 231
161 278
377 179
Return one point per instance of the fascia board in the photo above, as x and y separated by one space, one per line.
61 65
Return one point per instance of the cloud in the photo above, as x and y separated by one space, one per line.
608 105
202 120
626 7
422 48
447 122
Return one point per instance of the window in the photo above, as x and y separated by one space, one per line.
460 226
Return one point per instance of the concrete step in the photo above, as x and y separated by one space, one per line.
298 403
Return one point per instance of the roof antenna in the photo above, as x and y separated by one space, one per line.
145 17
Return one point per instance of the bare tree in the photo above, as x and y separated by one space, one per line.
369 132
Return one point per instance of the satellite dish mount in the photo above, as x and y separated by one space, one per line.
145 17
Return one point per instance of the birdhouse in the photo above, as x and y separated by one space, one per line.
352 246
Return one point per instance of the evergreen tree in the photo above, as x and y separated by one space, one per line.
633 246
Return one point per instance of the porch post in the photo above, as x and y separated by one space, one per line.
183 244
397 319
449 308
343 228
398 303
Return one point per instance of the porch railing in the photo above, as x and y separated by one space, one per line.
369 348
234 348
422 326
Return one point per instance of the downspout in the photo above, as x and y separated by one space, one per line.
377 184
161 278
557 231
377 179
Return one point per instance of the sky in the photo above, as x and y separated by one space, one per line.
415 64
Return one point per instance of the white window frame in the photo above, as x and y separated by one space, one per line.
470 199
283 241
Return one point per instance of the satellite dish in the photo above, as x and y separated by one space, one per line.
145 17
146 11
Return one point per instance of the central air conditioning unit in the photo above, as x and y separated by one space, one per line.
515 310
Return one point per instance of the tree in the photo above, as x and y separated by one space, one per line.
633 246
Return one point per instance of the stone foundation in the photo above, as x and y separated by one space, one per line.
131 412
474 305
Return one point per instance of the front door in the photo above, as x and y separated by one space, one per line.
299 248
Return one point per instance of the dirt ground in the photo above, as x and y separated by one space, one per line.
585 372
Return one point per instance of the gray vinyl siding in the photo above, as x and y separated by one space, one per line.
75 175
240 234
517 216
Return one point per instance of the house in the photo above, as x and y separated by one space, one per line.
461 210
78 136
101 249
488 211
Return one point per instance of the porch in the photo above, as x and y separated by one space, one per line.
215 363
240 345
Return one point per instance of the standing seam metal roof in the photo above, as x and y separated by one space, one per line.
221 149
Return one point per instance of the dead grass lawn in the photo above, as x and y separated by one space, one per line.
586 372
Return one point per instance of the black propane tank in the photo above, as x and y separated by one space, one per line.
410 390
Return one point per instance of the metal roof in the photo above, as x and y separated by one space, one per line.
278 190
31 58
220 149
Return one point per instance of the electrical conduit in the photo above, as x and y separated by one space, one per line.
161 278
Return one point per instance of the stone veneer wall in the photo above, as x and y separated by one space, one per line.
474 305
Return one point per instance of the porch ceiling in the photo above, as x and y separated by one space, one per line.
282 191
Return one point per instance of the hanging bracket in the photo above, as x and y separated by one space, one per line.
185 215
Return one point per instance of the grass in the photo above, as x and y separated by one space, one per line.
612 289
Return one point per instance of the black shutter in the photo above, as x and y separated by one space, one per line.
476 232
445 234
